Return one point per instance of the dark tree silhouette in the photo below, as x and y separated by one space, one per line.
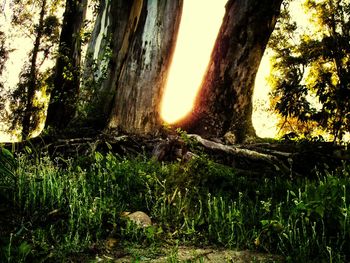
64 96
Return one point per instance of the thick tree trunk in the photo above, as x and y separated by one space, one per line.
144 71
224 102
67 75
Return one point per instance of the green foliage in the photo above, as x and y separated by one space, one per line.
68 210
311 69
95 74
5 50
36 20
8 166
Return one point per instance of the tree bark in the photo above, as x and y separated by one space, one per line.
64 96
144 67
224 102
106 54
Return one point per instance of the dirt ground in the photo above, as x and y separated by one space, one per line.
208 255
193 254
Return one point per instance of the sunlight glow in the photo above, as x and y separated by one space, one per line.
264 120
200 24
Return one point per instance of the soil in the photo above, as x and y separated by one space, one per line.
193 254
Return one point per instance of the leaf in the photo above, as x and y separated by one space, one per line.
109 146
8 165
25 248
27 149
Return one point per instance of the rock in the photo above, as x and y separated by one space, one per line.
139 218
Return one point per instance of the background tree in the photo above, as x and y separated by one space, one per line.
4 55
224 102
32 75
38 20
312 74
67 70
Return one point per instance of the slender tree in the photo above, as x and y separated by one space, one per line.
32 75
4 55
34 20
64 95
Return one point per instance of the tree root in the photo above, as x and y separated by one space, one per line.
272 160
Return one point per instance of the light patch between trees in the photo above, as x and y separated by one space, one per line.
199 28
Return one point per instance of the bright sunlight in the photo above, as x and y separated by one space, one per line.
200 24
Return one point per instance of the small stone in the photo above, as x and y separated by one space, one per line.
139 218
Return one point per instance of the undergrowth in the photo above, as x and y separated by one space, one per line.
68 209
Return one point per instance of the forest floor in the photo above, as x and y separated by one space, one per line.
193 254
207 201
110 250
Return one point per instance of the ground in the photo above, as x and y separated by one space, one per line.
110 250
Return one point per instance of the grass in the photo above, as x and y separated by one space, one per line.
69 207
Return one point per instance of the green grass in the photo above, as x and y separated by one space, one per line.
70 206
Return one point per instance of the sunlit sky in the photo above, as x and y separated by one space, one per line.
200 23
198 30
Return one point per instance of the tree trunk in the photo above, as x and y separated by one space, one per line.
224 102
144 68
67 72
32 78
106 54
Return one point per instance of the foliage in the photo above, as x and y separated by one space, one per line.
4 55
8 166
311 69
35 20
95 74
71 206
4 52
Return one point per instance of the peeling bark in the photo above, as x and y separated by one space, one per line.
224 102
105 55
143 74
